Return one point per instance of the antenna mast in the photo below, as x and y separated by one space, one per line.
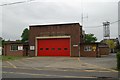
106 30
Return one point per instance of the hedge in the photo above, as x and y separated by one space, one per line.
118 60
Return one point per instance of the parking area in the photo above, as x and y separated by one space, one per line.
107 63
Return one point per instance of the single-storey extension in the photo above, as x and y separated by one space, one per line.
93 49
14 48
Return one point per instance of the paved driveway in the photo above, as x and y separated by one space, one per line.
64 63
108 61
60 67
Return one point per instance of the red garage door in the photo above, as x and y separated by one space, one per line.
54 47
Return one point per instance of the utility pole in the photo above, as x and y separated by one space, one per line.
82 13
82 18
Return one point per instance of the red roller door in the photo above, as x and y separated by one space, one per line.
53 47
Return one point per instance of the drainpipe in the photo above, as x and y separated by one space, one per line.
98 54
79 50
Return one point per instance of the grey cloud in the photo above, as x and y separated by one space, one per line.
17 17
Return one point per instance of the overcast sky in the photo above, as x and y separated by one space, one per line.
15 18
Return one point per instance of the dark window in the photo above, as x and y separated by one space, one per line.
47 48
87 48
59 48
14 47
65 48
52 48
41 48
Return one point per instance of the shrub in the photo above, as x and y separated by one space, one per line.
118 60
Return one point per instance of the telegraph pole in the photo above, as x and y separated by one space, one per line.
82 14
82 18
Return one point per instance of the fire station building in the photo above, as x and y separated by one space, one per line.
55 39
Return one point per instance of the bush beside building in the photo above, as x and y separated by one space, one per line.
118 60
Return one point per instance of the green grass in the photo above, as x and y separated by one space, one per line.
6 58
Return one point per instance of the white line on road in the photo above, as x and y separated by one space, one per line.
11 64
49 75
101 67
58 69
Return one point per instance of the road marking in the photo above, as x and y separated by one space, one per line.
6 67
97 70
99 67
11 64
47 66
28 68
27 60
104 71
22 63
49 75
29 74
90 70
58 69
80 77
78 59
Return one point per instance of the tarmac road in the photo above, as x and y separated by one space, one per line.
64 73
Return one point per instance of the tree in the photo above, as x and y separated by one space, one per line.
25 35
0 41
18 40
89 38
111 44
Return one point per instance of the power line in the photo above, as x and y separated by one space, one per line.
114 22
102 25
16 2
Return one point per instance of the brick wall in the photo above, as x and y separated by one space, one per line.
7 50
104 50
73 30
88 53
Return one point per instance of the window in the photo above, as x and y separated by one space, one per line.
59 48
32 47
52 48
47 48
41 48
14 47
65 49
87 48
20 47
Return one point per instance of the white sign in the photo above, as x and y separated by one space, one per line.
20 47
32 47
75 45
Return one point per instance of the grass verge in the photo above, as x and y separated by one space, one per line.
6 58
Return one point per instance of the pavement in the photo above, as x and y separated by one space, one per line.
61 67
